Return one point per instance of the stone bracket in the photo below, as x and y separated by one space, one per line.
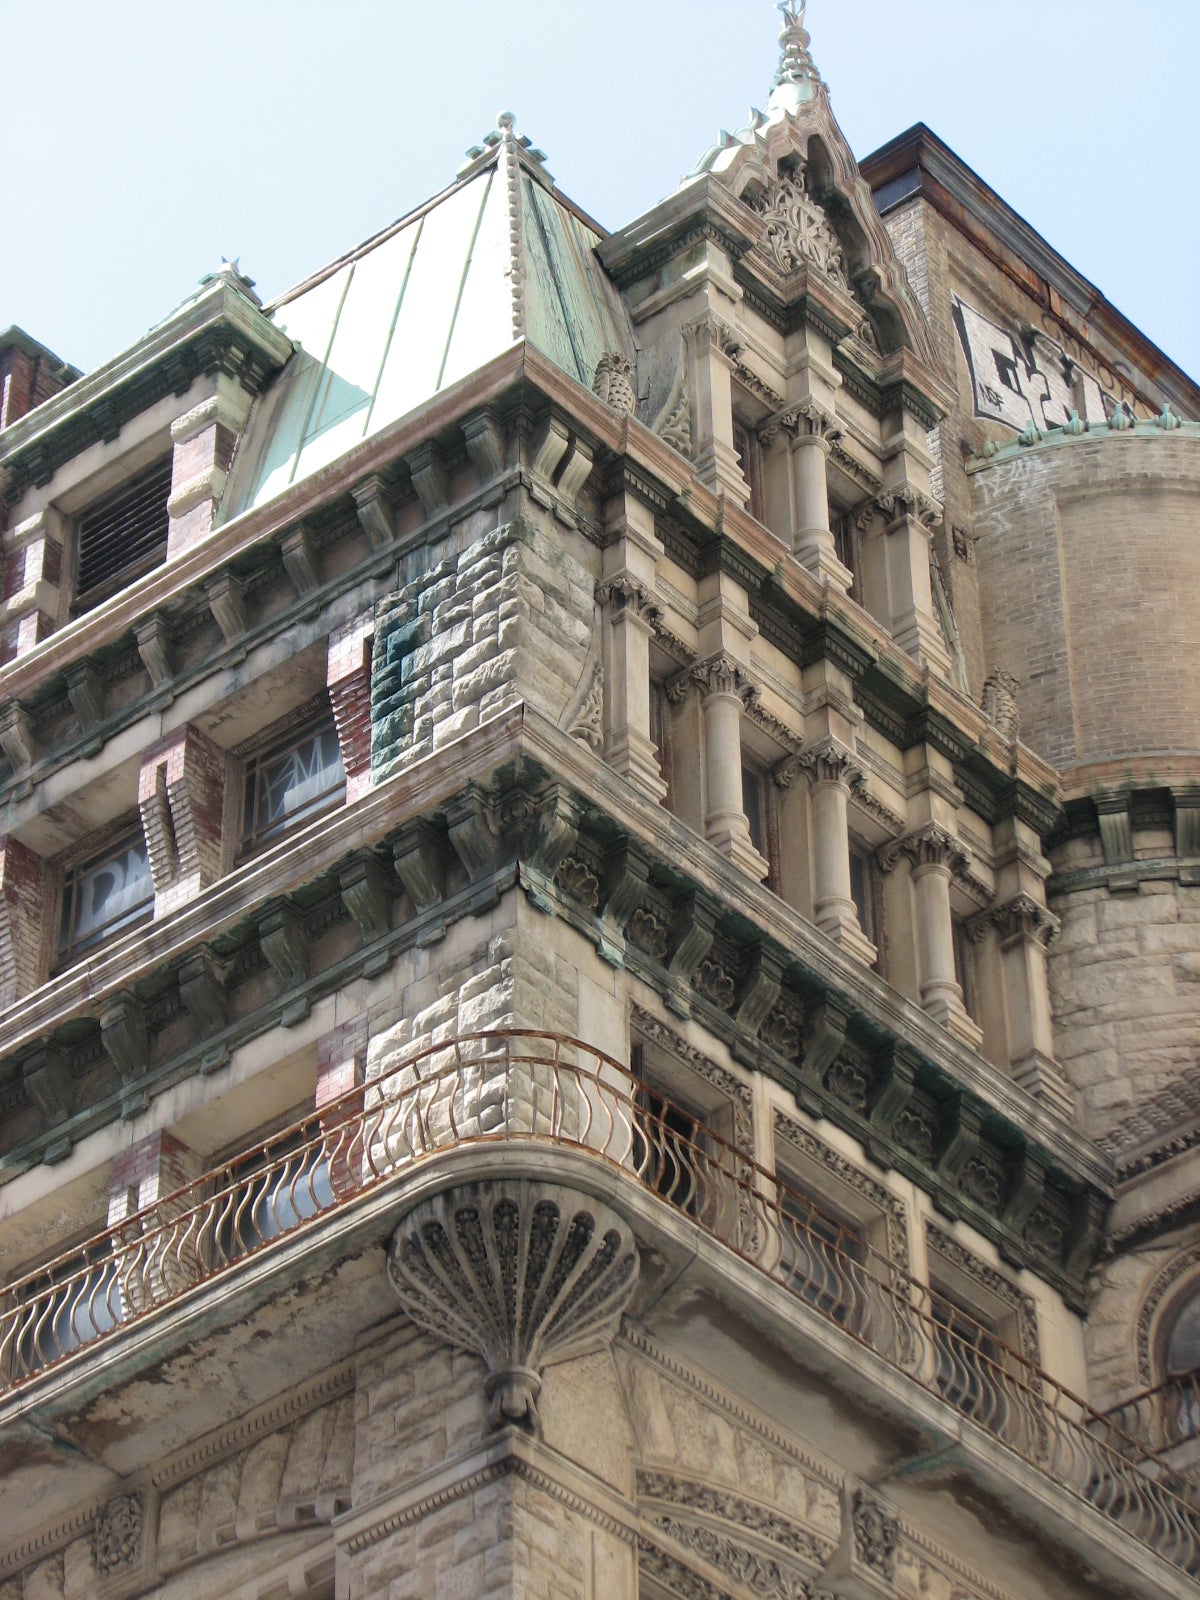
364 889
417 854
285 945
202 990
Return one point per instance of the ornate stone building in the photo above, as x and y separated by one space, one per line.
599 911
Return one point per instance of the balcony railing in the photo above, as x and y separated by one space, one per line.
1164 1420
557 1091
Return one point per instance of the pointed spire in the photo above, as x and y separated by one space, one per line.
797 78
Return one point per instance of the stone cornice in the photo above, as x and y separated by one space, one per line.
219 329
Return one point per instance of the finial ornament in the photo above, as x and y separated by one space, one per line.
795 63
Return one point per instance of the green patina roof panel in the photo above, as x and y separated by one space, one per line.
420 308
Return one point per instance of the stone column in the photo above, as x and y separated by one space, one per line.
725 689
348 678
831 770
900 590
810 431
22 920
936 855
631 615
33 594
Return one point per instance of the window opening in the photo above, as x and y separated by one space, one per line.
824 1259
289 781
749 454
88 1304
123 535
105 896
967 1362
660 736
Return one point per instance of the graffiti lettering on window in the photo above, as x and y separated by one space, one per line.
1019 381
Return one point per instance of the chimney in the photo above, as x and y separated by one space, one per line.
29 374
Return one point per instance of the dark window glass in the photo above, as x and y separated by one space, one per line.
123 535
754 804
290 781
665 1137
87 1305
750 461
964 966
823 1260
105 896
660 735
966 1362
862 890
271 1198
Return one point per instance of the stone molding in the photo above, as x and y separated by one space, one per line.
739 1094
1179 1267
517 1272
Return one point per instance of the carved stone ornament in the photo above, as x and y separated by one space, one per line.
615 383
830 762
1000 705
118 1533
908 501
1022 917
517 1272
625 593
588 723
796 232
804 420
720 675
930 846
876 1535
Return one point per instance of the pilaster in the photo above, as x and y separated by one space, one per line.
348 676
181 797
202 444
22 920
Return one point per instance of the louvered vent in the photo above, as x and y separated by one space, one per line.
124 534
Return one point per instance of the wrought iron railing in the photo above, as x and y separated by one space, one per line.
550 1089
1162 1420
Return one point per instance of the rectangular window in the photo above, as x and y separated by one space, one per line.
967 1364
823 1259
105 896
290 781
122 535
757 805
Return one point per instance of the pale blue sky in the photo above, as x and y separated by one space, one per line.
146 138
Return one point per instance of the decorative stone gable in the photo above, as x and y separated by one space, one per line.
796 232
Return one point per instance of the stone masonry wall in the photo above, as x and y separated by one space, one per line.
508 618
1125 988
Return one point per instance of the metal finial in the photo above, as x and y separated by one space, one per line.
795 63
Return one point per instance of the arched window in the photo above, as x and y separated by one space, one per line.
1181 1418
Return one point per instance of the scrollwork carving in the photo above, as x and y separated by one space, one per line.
625 593
929 846
876 1534
118 1533
796 232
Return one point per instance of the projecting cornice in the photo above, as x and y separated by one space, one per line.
218 329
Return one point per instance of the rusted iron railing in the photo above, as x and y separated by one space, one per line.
550 1089
1162 1419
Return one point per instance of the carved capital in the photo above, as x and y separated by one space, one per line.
806 420
830 762
908 501
1022 917
520 1273
930 846
721 675
624 595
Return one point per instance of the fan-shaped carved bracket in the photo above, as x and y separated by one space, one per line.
518 1272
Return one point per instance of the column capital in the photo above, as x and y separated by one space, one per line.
928 847
626 596
830 762
804 422
1021 918
718 674
907 500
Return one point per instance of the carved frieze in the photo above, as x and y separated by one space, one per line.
876 1534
